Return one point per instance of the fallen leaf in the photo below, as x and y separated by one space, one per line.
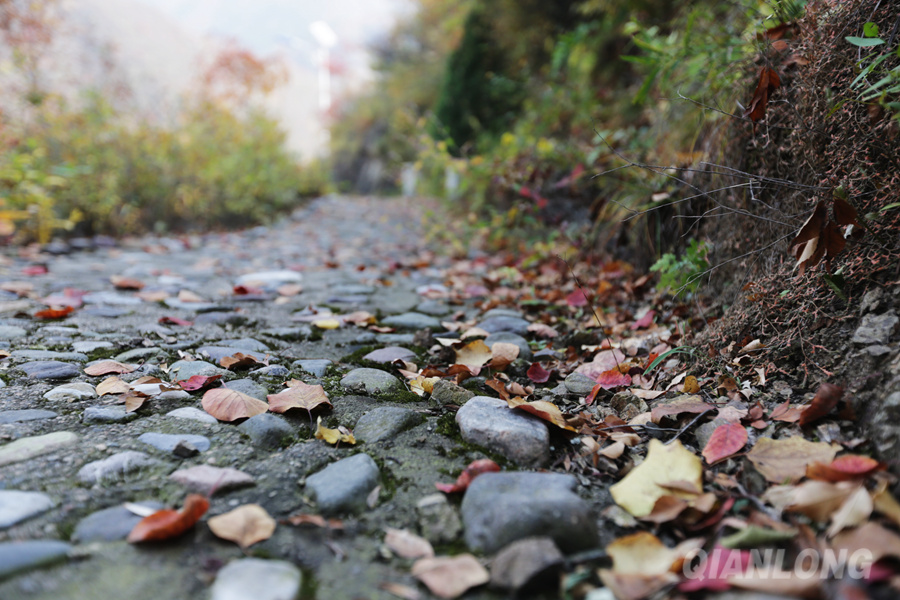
613 379
126 283
503 354
112 385
690 385
327 323
229 405
300 395
826 398
541 408
474 354
450 576
538 374
189 296
165 524
333 436
404 592
874 541
787 413
843 468
107 367
844 213
819 500
603 361
290 289
784 461
247 290
134 400
239 360
767 84
360 318
683 404
175 321
406 544
315 520
717 570
645 321
475 468
197 382
754 536
725 441
54 313
541 330
153 296
245 525
638 491
806 245
855 510
641 553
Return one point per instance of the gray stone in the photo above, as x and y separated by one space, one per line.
244 344
204 307
502 312
111 298
871 300
877 350
371 381
876 329
352 289
107 414
385 422
103 312
115 467
25 555
110 524
501 508
221 318
257 579
185 369
395 339
11 332
435 308
268 431
390 354
16 506
88 346
274 371
140 354
524 561
412 320
626 402
508 337
217 353
344 486
447 392
579 384
249 387
500 323
194 414
29 414
208 480
50 369
438 520
490 423
68 392
29 447
314 366
168 441
269 278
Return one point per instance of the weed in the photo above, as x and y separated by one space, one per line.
677 274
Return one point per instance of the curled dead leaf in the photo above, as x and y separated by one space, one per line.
333 436
245 525
166 524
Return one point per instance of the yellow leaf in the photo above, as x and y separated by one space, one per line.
641 553
333 436
784 461
474 354
327 323
664 465
690 385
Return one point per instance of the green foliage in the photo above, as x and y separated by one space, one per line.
684 273
879 77
214 169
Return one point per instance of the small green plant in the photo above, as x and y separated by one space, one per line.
876 81
678 274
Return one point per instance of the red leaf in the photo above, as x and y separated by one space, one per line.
54 313
245 290
175 321
768 83
165 524
645 321
593 395
198 382
844 468
35 270
827 397
475 468
576 299
724 442
613 378
537 373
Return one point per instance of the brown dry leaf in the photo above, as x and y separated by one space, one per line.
168 523
503 354
806 245
474 354
844 213
450 576
855 510
647 394
683 404
768 83
406 544
613 451
333 436
229 405
134 400
360 318
239 360
112 385
126 283
541 408
245 525
298 395
316 520
784 461
639 490
885 503
107 367
189 296
641 553
872 538
827 397
819 500
690 385
776 582
541 330
154 296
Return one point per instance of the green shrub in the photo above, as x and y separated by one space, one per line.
684 273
